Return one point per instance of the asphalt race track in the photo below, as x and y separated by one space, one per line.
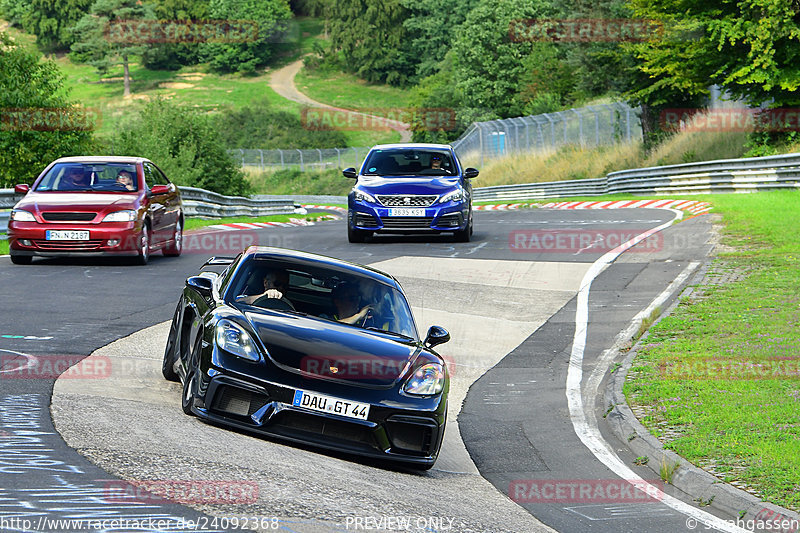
512 313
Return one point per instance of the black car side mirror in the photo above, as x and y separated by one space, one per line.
350 173
201 284
471 172
436 335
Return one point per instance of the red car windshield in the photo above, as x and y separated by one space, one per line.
109 177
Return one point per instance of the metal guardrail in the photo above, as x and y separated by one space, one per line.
722 176
196 203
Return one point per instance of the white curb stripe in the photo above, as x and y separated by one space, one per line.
590 435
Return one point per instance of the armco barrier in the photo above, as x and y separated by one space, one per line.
196 203
727 175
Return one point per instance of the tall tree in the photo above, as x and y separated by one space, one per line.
489 66
432 26
271 16
103 38
52 20
372 39
37 121
749 47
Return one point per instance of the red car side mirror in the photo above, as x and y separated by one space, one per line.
159 189
22 188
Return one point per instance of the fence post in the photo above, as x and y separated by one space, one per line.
356 155
596 127
301 158
628 121
480 139
241 154
338 157
580 126
262 159
321 166
282 163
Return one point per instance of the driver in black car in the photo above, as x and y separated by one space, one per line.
275 284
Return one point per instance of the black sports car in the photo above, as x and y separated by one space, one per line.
310 349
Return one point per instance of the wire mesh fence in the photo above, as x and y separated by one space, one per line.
596 125
313 159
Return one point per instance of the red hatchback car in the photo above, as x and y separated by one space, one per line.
97 205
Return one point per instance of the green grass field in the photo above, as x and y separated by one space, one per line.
719 379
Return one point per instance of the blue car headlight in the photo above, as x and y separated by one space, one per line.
361 196
232 338
453 196
426 380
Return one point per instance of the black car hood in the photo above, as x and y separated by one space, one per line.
322 349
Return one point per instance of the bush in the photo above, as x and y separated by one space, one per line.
261 127
186 145
295 181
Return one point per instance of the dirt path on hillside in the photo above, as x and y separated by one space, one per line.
282 82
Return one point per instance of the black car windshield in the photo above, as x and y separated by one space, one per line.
109 177
343 297
409 162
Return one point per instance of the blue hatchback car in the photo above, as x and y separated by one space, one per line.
410 188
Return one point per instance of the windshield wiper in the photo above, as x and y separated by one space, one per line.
394 333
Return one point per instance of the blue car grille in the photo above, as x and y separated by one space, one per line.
407 222
407 200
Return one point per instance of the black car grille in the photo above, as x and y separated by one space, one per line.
78 246
236 401
361 219
407 222
413 200
326 427
63 216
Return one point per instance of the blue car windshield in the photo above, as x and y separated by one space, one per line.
73 177
409 162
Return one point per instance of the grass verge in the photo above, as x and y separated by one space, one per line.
718 378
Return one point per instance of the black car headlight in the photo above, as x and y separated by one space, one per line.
453 196
361 196
426 380
232 338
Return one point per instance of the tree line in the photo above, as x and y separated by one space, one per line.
463 54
